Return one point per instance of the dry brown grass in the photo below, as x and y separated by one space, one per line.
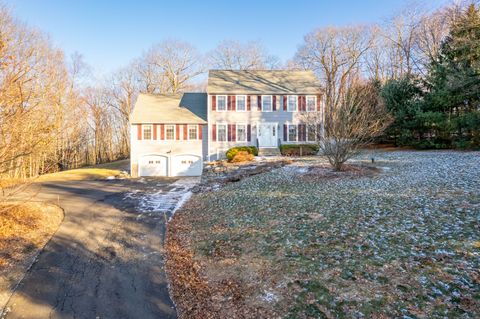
25 228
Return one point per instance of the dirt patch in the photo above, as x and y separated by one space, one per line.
25 228
348 171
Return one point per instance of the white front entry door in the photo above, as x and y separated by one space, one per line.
267 134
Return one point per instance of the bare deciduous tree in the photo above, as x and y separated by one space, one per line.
233 55
359 116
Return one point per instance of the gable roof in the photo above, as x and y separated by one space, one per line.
263 82
188 108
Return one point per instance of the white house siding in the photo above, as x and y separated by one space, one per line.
217 150
167 148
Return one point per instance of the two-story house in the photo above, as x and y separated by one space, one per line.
174 135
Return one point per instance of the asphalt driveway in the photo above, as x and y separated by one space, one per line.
106 259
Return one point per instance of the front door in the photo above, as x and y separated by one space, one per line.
267 135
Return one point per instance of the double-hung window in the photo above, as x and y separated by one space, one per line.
266 103
147 132
311 103
292 133
292 103
221 102
169 132
253 102
192 132
311 133
221 132
241 133
241 101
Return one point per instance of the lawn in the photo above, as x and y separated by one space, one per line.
402 240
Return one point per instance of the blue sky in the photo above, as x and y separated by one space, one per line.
111 33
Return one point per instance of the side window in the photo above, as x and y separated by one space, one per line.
221 103
292 133
241 102
147 132
266 103
253 102
241 132
292 103
311 103
170 132
192 132
221 132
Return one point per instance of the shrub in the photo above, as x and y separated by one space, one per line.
234 151
242 156
294 149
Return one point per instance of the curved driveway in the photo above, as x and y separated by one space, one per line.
105 260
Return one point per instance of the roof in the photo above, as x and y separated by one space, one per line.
188 108
263 82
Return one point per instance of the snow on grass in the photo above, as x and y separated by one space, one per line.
401 243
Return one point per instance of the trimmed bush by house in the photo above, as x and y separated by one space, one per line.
298 149
234 151
242 156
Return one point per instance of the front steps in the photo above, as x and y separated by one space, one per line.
270 151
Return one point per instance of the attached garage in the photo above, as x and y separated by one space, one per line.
176 165
187 165
153 165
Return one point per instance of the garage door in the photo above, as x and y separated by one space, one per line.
153 165
187 165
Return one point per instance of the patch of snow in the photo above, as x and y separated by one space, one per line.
110 177
269 296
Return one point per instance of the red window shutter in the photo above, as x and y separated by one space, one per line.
248 103
249 132
185 131
285 132
177 129
274 107
318 103
199 132
228 103
214 102
154 131
214 132
234 105
162 132
284 102
259 102
234 132
139 131
301 132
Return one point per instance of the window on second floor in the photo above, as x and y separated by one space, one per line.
311 103
292 133
241 133
147 132
241 101
266 103
221 132
192 132
292 103
253 102
169 132
221 103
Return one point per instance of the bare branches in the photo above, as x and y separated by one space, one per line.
233 55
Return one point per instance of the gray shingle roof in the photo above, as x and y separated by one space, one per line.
188 108
263 82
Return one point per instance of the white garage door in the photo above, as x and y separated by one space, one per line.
153 165
187 165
